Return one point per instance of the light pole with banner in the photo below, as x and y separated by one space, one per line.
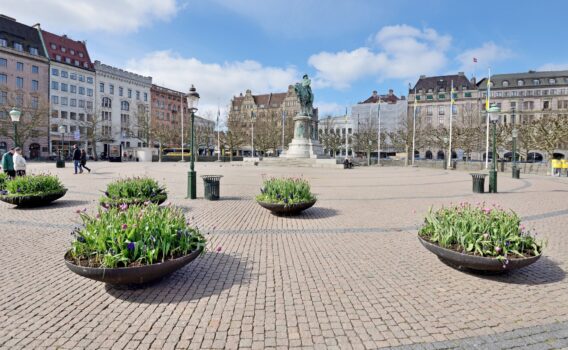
15 115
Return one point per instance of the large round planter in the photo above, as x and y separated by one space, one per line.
287 210
463 261
33 200
132 275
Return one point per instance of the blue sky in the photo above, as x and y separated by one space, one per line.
349 48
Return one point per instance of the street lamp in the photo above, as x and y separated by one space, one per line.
192 102
515 171
252 119
444 160
15 116
493 118
61 162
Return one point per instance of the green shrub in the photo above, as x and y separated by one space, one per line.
480 230
33 185
285 191
3 179
133 236
134 190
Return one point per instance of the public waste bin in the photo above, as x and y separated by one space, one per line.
211 183
478 182
516 173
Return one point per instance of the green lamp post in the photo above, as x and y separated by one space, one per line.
15 115
192 102
493 117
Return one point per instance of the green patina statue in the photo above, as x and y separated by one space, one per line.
304 92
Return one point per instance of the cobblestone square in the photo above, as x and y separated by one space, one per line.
347 274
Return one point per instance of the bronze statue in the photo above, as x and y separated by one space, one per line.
304 92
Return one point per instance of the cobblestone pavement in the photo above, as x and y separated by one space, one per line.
348 274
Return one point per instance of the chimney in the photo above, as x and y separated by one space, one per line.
461 74
391 92
473 81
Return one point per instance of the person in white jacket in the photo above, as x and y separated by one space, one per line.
19 162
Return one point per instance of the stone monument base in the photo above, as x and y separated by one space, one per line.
302 145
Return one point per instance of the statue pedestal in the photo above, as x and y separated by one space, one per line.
302 145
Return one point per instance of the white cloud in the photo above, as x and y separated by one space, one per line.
113 16
216 83
402 52
329 108
487 54
553 66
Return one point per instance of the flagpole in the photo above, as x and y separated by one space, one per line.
346 144
414 127
451 115
218 137
487 121
182 105
379 135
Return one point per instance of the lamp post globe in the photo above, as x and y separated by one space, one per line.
15 115
493 111
192 103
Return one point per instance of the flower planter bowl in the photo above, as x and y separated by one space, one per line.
287 210
463 261
33 200
132 275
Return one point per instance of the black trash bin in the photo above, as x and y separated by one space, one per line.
211 183
516 173
478 182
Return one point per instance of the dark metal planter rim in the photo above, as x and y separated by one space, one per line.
473 262
33 200
132 275
282 209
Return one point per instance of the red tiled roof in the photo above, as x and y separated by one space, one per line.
70 45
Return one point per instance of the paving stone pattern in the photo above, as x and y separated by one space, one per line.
348 274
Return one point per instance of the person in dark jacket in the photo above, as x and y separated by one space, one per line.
84 160
77 159
8 163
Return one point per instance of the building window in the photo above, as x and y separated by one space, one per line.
76 62
3 62
505 83
72 115
63 87
58 58
19 82
54 71
55 113
53 46
3 97
120 91
81 90
546 105
429 110
145 97
73 102
3 42
429 97
89 105
124 106
54 85
552 81
64 101
19 66
536 81
35 69
107 102
34 51
137 95
467 94
18 46
55 101
441 110
35 102
63 114
111 89
35 85
129 93
106 116
81 77
80 54
441 120
73 89
3 79
64 74
81 103
73 76
63 49
101 87
441 96
89 80
89 92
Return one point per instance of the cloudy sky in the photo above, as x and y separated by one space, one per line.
349 48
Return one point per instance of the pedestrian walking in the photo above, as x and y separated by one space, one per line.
19 162
77 159
8 163
84 160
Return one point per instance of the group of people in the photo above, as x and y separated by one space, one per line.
79 160
14 163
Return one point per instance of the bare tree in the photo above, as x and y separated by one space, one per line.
331 140
234 137
33 120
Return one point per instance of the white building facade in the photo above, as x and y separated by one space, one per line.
122 104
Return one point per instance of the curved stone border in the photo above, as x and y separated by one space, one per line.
33 200
287 210
132 275
473 262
